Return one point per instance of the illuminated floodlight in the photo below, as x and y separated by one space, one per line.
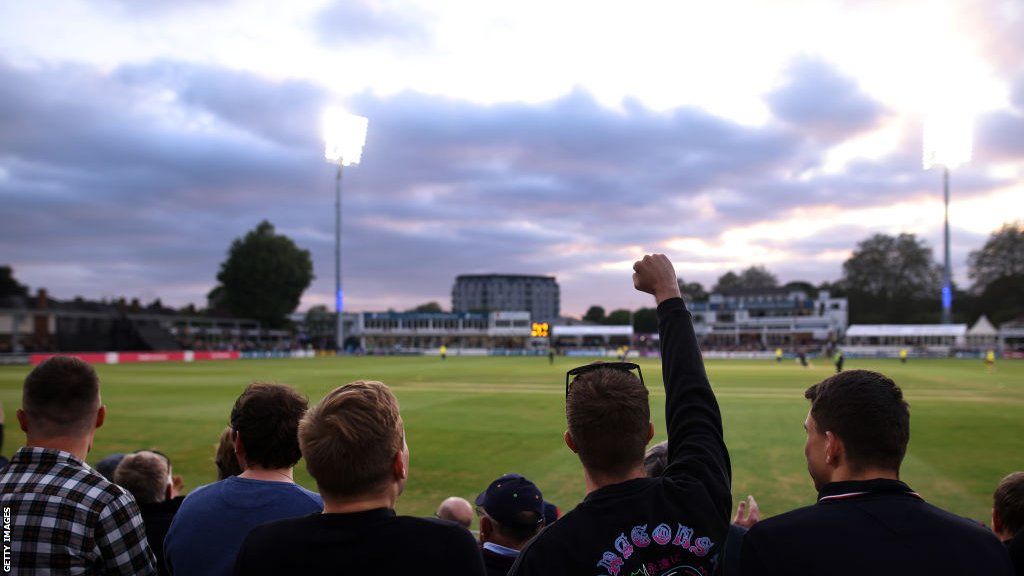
947 140
344 136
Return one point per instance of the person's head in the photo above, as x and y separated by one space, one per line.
225 458
108 465
61 399
656 459
609 421
1008 506
354 443
458 510
511 511
146 475
551 513
858 424
264 422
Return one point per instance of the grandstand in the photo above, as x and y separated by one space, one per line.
588 339
920 339
767 318
1011 338
461 332
939 340
44 324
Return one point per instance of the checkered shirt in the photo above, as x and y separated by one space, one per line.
65 518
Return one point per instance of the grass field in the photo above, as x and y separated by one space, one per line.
469 420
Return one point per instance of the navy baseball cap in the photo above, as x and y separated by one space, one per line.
509 495
551 513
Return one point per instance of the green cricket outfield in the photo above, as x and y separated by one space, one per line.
469 420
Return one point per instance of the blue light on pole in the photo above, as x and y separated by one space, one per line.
947 143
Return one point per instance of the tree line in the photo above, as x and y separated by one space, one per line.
887 279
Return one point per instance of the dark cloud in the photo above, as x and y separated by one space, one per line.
135 182
819 100
1000 136
348 22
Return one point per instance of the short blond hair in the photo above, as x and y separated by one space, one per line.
145 475
350 439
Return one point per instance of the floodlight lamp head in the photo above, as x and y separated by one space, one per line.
947 140
344 136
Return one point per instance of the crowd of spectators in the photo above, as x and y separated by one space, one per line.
658 511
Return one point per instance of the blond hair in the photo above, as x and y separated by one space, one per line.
350 439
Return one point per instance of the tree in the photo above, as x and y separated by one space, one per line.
757 278
9 286
1003 299
594 314
645 321
1001 256
727 282
691 291
835 289
263 277
319 322
428 307
894 268
802 286
892 279
618 317
753 278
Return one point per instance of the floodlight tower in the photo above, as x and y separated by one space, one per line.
344 136
947 143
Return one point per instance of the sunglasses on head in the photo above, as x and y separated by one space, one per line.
580 370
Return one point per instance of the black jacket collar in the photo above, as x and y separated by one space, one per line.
855 488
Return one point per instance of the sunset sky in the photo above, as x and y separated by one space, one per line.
137 139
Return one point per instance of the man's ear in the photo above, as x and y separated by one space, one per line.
650 432
569 442
486 529
237 444
398 467
101 415
835 451
997 522
22 420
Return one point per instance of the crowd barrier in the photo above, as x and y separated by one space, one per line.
135 357
194 356
170 356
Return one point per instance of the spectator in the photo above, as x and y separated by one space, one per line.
747 513
148 476
458 510
214 519
108 465
511 512
64 516
225 458
1008 517
630 523
551 513
865 521
354 445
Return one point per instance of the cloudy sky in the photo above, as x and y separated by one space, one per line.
138 138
